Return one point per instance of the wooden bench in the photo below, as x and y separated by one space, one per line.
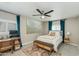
44 45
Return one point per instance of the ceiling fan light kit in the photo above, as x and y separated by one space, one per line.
42 17
43 14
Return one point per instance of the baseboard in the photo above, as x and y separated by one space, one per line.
74 44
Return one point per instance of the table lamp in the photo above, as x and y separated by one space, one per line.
68 34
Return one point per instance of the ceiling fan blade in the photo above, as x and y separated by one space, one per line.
48 12
36 15
39 11
47 15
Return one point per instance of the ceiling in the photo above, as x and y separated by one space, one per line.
61 9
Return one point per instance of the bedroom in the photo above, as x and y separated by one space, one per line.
63 22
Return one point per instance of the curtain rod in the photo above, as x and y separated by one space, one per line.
8 12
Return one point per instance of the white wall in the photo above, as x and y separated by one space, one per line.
31 37
23 29
45 27
7 16
72 26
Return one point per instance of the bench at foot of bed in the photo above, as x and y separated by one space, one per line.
44 45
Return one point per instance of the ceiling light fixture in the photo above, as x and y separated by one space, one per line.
42 16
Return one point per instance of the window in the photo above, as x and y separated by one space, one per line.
11 26
6 25
56 25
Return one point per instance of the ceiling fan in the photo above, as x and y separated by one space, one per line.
43 14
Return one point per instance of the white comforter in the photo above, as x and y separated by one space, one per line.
55 40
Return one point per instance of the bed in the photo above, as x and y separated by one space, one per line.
54 38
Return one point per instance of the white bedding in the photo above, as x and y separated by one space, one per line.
55 40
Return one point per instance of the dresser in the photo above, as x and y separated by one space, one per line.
10 43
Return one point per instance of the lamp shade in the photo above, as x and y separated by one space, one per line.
68 33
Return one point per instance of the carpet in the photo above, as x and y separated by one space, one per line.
34 52
38 52
30 52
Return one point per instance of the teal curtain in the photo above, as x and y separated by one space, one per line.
18 26
18 23
62 24
49 25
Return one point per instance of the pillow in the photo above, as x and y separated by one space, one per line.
51 33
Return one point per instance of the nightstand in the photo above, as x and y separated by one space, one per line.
67 40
